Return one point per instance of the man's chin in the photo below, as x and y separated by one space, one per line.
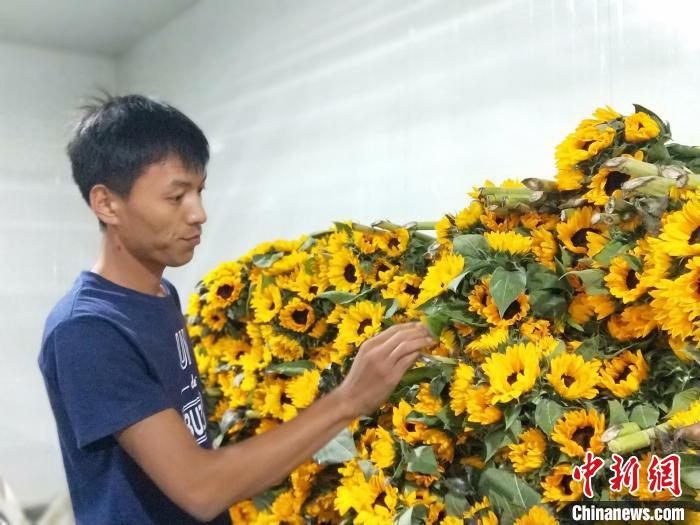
180 259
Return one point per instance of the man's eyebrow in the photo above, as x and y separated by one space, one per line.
184 183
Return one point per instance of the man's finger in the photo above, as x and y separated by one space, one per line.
392 330
418 332
406 362
408 347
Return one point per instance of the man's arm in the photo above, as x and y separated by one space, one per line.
206 482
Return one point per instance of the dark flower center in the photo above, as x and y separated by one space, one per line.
393 243
512 378
566 479
363 324
631 281
567 380
614 181
224 291
285 400
694 236
349 273
313 289
623 375
300 316
583 436
513 308
412 290
578 239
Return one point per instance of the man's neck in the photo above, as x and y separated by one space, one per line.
118 265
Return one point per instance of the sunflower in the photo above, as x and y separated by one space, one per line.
568 179
623 281
409 431
379 447
498 222
444 230
286 348
442 444
308 286
516 311
680 235
528 454
535 329
266 301
608 183
427 403
366 242
297 315
226 269
302 389
539 221
545 248
439 276
514 372
508 242
469 216
536 516
480 406
623 374
583 306
560 488
362 320
479 298
578 431
640 127
382 273
634 322
213 318
486 342
344 272
404 288
194 306
574 378
462 381
394 242
225 291
575 231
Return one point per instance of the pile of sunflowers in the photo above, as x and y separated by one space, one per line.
567 318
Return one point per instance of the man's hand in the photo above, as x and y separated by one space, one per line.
379 365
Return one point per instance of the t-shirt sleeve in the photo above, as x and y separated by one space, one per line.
105 383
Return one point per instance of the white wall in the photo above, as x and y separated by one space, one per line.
46 235
321 110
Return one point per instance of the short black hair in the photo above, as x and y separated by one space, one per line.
117 137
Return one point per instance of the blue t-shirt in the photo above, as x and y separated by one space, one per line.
111 356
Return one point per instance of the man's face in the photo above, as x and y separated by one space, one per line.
160 222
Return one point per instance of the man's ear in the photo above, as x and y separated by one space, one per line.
104 204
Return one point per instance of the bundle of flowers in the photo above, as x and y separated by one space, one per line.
567 315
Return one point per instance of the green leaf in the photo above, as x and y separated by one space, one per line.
266 260
617 414
539 277
589 349
449 419
422 460
412 516
342 227
436 323
511 413
290 368
339 450
455 504
634 262
438 384
393 305
509 493
690 471
367 467
418 417
592 279
682 400
342 298
505 286
645 416
470 245
547 413
418 375
549 304
454 283
610 250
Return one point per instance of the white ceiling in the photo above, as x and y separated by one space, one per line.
104 27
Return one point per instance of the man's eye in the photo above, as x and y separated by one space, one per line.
176 198
200 190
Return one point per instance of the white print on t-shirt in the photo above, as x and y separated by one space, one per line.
196 420
183 349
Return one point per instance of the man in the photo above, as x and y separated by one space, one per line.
112 353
